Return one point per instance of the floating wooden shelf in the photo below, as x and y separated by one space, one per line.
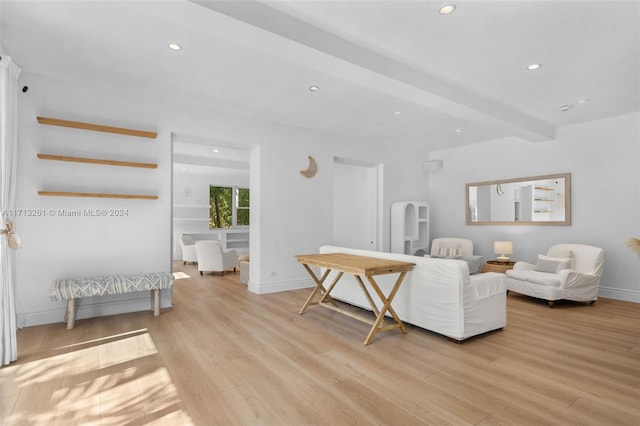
97 195
96 127
543 188
97 161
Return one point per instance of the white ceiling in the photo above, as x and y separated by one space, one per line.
370 58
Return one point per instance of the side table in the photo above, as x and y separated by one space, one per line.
497 266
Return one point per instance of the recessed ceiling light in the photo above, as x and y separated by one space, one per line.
447 9
564 108
534 67
174 46
582 100
459 130
397 113
216 150
314 88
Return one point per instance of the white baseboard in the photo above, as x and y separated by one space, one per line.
93 307
277 286
619 294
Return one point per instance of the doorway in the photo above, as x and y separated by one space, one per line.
356 204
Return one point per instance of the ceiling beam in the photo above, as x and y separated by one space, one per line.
364 66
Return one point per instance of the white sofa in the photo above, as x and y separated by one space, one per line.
437 295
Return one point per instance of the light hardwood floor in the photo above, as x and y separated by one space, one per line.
224 356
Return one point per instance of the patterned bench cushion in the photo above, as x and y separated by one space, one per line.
76 288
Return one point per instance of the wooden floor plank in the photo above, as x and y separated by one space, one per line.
225 356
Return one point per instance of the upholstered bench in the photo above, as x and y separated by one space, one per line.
71 289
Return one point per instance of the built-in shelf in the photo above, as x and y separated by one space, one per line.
410 227
97 161
542 199
543 188
96 127
237 239
97 195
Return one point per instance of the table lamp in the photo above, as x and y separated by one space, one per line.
503 248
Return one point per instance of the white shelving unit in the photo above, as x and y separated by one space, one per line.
193 219
410 227
543 202
237 239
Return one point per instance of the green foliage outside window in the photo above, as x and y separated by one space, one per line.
242 209
229 207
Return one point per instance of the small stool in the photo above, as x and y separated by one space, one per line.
242 258
244 272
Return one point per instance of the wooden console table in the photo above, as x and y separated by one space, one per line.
358 266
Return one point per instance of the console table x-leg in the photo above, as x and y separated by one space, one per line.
358 266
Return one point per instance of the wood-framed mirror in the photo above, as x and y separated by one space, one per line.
533 200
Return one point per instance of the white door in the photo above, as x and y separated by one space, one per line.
355 205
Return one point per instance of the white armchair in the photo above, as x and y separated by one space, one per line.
441 247
212 257
457 248
567 272
188 249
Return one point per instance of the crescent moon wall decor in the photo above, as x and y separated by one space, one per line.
311 170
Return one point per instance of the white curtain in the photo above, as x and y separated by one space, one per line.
8 159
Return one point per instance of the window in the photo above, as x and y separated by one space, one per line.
228 207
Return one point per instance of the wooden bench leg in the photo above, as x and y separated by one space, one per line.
70 314
155 296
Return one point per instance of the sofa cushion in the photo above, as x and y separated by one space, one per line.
537 277
552 265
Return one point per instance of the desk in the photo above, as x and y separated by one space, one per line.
358 266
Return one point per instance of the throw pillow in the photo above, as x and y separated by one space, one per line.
449 251
475 263
563 254
552 265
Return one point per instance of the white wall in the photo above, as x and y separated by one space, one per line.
296 213
603 158
56 246
290 213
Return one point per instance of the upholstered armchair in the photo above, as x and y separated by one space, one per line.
451 247
457 248
567 272
188 249
212 257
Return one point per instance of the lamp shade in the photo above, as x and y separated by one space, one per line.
502 248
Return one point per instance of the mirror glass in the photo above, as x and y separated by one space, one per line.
535 200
